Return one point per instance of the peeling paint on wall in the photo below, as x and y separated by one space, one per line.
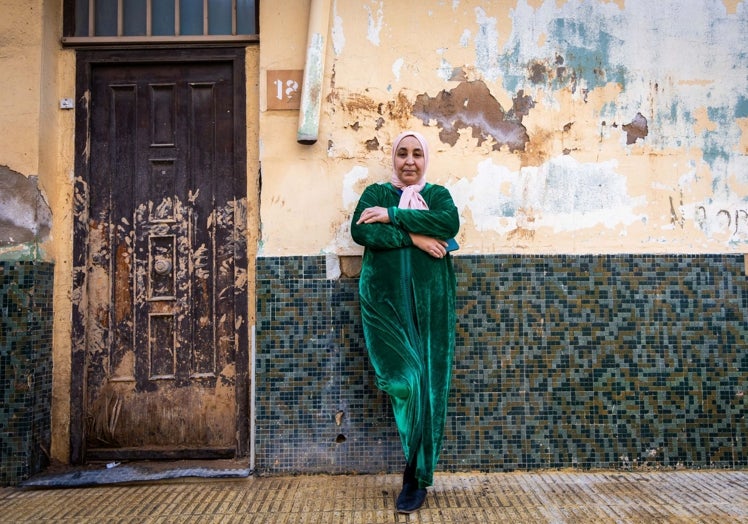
609 119
375 21
563 195
396 67
636 129
487 53
471 106
338 34
25 216
350 183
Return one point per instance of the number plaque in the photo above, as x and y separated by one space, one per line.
284 89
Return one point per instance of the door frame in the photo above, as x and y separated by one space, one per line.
86 60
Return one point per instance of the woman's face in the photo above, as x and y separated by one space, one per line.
409 161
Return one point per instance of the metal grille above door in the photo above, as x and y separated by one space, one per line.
153 21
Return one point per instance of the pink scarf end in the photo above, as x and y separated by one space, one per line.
411 197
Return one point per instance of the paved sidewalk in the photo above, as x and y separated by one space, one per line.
466 498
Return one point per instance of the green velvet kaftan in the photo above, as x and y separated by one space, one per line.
408 312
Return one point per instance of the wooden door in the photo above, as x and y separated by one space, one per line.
163 318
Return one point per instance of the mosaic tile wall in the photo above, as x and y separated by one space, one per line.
25 368
622 361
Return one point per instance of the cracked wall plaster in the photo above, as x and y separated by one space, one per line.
637 107
25 217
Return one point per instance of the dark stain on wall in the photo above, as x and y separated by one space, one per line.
635 129
471 105
555 73
522 104
364 107
24 214
358 102
372 145
538 73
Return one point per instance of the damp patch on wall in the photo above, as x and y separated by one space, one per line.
573 126
471 105
25 216
563 194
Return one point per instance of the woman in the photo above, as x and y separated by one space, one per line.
407 293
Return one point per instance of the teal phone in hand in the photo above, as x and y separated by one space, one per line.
452 245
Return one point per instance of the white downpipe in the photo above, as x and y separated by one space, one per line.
314 72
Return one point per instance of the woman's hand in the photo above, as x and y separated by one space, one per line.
433 246
371 215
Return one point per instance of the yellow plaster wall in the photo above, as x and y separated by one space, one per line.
252 66
667 192
57 149
21 63
38 141
298 181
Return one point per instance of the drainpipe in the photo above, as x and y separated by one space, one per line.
314 72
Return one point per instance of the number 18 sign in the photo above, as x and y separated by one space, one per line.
284 89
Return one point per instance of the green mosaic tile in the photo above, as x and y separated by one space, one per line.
25 368
561 361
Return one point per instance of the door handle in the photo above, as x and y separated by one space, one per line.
162 266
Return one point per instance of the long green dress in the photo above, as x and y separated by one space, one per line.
408 311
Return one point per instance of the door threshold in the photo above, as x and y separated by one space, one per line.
101 474
158 453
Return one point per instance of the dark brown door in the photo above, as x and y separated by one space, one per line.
165 295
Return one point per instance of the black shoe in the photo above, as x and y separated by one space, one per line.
409 477
410 499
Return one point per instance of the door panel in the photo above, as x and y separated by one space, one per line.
164 292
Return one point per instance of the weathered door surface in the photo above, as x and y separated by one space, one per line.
165 297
